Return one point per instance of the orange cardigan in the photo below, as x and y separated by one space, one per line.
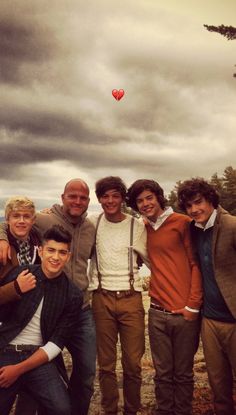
175 276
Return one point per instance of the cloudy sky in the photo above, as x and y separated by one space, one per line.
60 61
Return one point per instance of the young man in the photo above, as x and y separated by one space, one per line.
24 241
117 301
214 237
82 346
34 330
176 295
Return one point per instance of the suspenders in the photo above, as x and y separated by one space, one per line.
130 254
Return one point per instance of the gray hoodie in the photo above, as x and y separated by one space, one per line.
83 234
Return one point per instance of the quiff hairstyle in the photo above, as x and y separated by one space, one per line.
197 186
144 184
18 202
57 233
109 183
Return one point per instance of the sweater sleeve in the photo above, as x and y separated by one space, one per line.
3 231
195 293
140 242
8 293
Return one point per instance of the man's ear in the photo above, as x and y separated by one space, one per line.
69 257
40 251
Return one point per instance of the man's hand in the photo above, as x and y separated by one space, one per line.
46 211
26 281
9 374
5 251
188 315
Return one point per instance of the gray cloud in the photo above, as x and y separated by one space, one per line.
60 61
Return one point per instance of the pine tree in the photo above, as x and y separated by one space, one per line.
228 31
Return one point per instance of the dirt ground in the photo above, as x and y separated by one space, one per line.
202 403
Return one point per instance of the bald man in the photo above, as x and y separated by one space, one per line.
82 346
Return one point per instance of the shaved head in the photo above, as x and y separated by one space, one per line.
74 181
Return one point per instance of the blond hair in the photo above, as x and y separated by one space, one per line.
18 202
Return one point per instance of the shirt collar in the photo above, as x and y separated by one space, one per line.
210 222
160 219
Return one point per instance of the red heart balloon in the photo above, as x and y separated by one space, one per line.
118 94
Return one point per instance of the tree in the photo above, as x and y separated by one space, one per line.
173 199
229 180
228 31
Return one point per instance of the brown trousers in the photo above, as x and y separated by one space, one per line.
219 346
123 317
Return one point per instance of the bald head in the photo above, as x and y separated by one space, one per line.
75 198
76 181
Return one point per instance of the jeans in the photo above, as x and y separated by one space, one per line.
82 347
173 343
43 383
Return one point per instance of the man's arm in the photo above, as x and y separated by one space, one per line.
140 242
192 308
5 250
13 290
9 374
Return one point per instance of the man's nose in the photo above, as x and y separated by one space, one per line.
21 218
55 255
193 208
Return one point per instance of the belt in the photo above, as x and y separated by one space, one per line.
20 348
161 309
117 294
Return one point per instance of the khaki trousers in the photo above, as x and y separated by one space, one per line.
219 346
123 317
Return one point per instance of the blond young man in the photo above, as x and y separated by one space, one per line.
20 217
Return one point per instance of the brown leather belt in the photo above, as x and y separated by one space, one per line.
117 294
20 348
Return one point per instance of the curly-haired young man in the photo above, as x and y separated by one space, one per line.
175 291
214 237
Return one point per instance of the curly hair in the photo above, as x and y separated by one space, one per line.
139 186
191 188
109 183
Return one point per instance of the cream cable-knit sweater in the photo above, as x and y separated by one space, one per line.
113 242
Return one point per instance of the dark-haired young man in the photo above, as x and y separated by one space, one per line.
72 215
117 300
214 237
34 331
176 295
